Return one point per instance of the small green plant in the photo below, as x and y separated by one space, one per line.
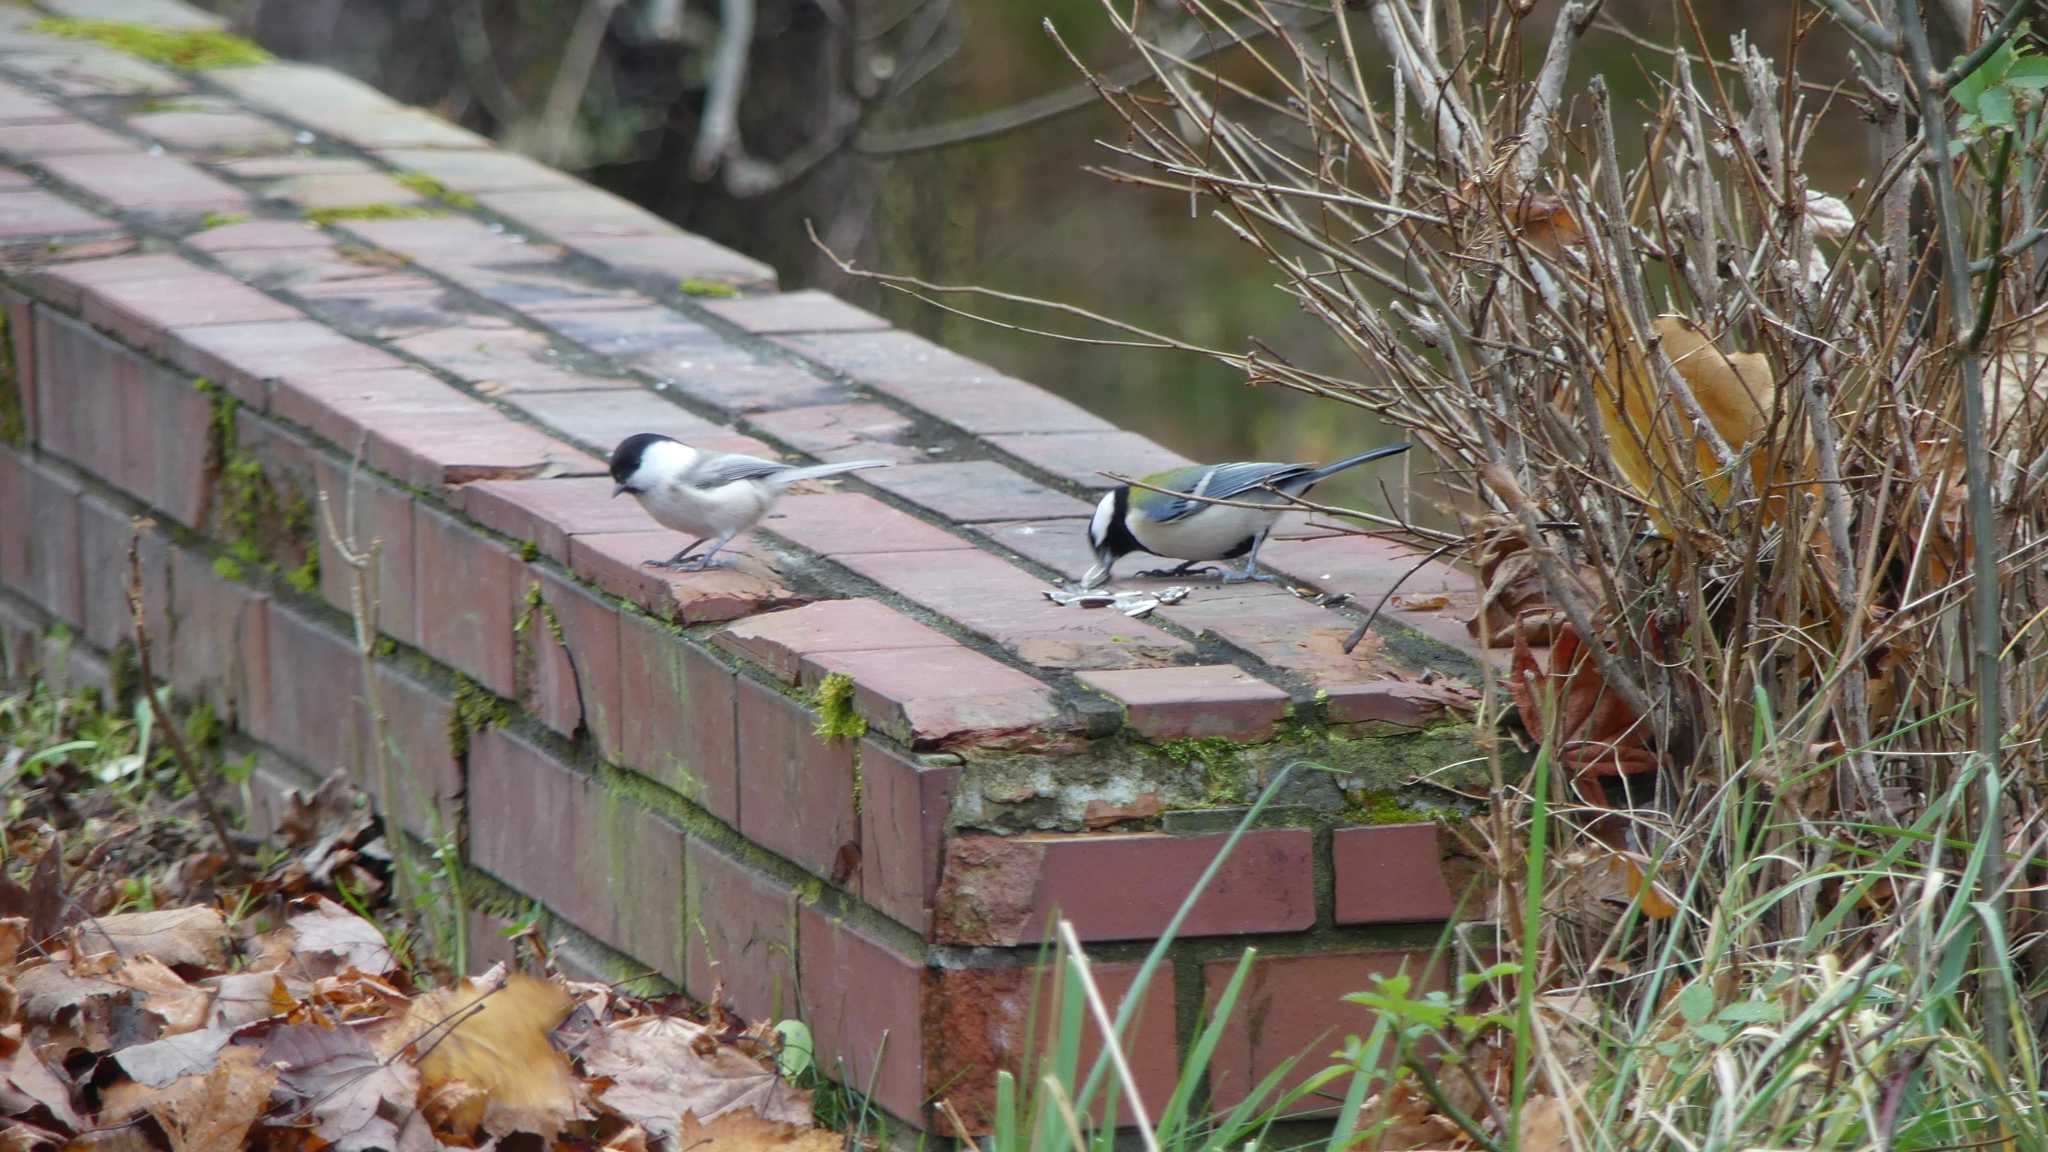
328 216
1999 93
837 718
195 49
433 189
711 289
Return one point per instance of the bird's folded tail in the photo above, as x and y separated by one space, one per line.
1334 467
815 471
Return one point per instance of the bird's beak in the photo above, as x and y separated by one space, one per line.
1104 560
619 490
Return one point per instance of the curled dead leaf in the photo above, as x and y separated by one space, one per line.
662 1069
495 1039
195 937
325 928
1566 700
213 1111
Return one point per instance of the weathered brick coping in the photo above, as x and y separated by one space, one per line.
640 752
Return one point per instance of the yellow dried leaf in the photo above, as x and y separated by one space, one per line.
744 1131
213 1112
1734 391
496 1041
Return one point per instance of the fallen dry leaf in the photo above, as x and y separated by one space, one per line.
159 1062
1425 603
213 1112
26 1084
743 1131
1542 1128
662 1069
41 904
180 1005
98 1014
1568 700
356 1099
181 937
496 1040
240 998
328 929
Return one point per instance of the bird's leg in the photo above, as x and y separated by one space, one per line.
1186 567
700 563
1250 571
676 561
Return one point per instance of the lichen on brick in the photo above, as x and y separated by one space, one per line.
193 49
711 289
13 400
837 719
326 216
261 524
432 189
475 709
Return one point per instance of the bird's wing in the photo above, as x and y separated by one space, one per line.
715 471
1215 481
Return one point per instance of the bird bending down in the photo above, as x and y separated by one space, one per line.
711 496
1177 523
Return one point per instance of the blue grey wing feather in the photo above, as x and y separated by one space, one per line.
1224 482
717 470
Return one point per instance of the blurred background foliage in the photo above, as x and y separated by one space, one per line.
950 141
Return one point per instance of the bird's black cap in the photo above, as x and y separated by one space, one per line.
626 457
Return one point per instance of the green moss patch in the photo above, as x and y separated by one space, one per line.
837 719
195 49
433 189
13 396
263 525
709 288
475 710
326 216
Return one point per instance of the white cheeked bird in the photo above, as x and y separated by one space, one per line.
1177 522
711 496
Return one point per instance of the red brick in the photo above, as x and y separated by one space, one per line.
219 625
498 360
742 936
744 577
865 1005
1400 703
83 68
346 109
779 641
367 302
14 520
904 805
445 448
629 330
844 432
148 184
180 419
142 298
601 419
476 171
549 512
172 14
342 408
603 864
261 236
35 212
985 1020
1083 458
571 680
17 106
944 697
1061 545
56 578
86 402
69 137
993 598
248 358
678 717
317 190
577 210
796 788
975 490
837 524
728 377
313 694
426 782
104 532
659 263
808 310
1282 630
1369 568
383 515
212 128
1293 1006
888 361
996 405
1193 702
466 590
1389 874
1006 891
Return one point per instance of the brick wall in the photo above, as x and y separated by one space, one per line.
446 361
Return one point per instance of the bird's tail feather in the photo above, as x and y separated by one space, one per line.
816 471
1336 466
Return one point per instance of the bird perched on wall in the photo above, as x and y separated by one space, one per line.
711 496
1176 521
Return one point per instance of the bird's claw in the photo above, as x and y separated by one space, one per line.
1248 577
1183 570
690 564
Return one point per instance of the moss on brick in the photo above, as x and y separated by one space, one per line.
261 525
222 220
13 391
837 719
475 709
186 48
433 189
708 288
327 216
